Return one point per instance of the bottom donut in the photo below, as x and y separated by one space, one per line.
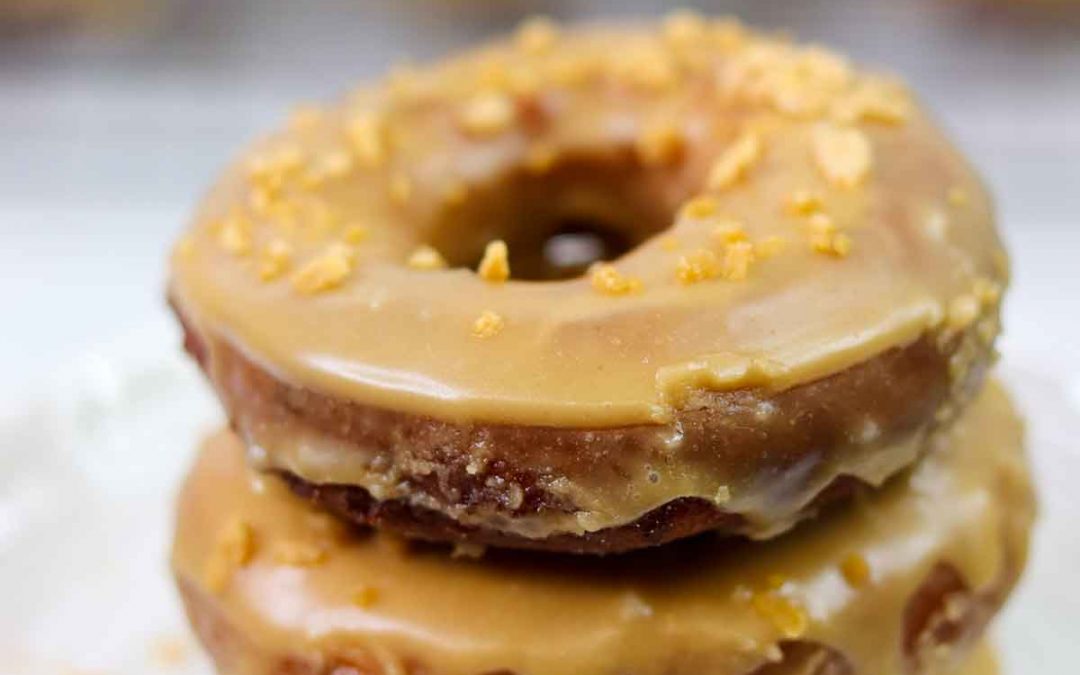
902 582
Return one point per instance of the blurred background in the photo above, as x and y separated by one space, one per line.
116 114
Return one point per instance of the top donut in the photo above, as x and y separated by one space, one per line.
800 258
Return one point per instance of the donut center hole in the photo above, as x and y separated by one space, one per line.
556 225
570 250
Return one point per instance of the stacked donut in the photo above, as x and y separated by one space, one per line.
535 360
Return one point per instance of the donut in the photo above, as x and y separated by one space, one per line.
902 582
594 289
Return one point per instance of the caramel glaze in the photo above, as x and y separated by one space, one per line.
794 219
737 462
902 582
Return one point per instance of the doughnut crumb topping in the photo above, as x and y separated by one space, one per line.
326 271
606 279
488 324
735 161
842 154
494 267
234 548
855 570
426 258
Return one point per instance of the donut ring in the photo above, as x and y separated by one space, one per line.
810 287
901 583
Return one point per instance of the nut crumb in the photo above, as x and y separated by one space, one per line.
325 272
488 324
495 265
700 207
488 114
784 614
274 260
738 256
804 203
234 548
697 266
660 144
735 161
367 135
426 258
608 280
843 155
856 570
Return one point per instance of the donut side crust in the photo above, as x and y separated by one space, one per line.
907 391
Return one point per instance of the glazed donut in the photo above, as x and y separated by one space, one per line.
901 583
393 298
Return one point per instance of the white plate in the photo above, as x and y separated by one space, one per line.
88 471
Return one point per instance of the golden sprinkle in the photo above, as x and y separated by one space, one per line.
697 266
325 272
728 232
269 169
738 256
775 581
488 114
274 260
842 245
700 207
354 234
298 554
365 596
735 161
786 616
826 239
843 155
234 548
262 200
495 265
856 570
329 164
536 35
804 203
367 135
488 324
400 188
426 258
235 235
963 310
872 100
769 247
684 26
660 144
723 495
608 280
958 196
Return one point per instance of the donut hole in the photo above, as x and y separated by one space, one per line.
556 224
571 249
